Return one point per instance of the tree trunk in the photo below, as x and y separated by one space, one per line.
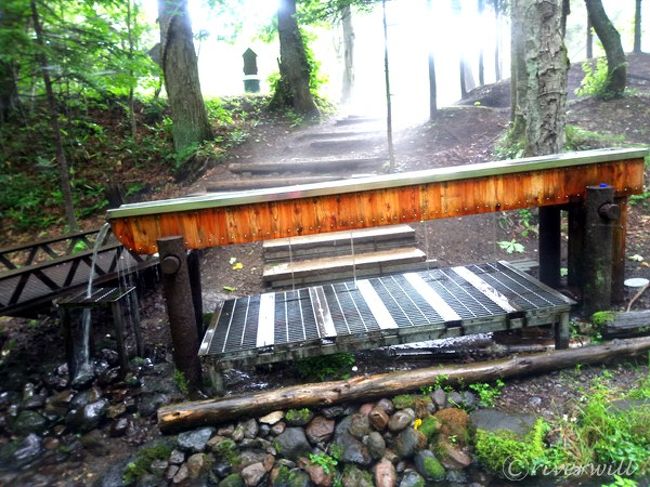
178 60
481 67
433 91
611 39
130 19
497 36
389 106
293 90
590 39
64 175
348 54
566 11
637 27
463 80
9 100
188 415
540 71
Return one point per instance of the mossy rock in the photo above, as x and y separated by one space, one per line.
454 423
298 417
291 478
140 464
429 466
355 477
601 319
429 427
404 401
227 450
232 480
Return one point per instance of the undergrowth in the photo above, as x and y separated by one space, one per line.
326 367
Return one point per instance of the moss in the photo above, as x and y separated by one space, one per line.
454 424
429 427
433 469
601 319
232 480
298 417
404 401
142 461
493 449
227 449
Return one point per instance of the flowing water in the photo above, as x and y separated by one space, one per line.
82 359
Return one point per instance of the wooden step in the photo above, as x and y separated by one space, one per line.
344 143
334 134
304 165
354 119
266 182
325 267
338 243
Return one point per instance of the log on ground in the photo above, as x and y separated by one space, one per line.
189 415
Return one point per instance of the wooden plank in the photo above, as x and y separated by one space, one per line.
295 212
376 305
322 314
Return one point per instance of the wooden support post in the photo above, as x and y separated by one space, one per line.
600 215
550 245
135 309
194 270
618 253
180 309
576 244
562 332
118 322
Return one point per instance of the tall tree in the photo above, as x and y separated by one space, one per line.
481 67
293 89
539 76
178 61
389 110
61 160
497 7
348 53
611 39
433 89
637 27
590 39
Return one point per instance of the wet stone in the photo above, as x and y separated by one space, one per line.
353 450
172 471
439 398
29 422
100 366
83 379
87 418
232 480
375 444
250 429
176 457
195 440
221 469
386 405
401 419
320 429
359 425
253 474
119 427
238 434
84 398
159 467
248 457
181 475
355 477
226 430
272 418
20 453
292 443
455 399
109 376
265 430
278 428
94 443
335 411
412 479
196 465
366 408
408 442
149 403
378 418
116 410
385 475
470 401
428 466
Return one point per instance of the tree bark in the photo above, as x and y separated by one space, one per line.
481 67
178 417
389 110
590 39
348 54
497 37
433 90
293 90
611 39
540 70
637 27
61 160
178 61
130 20
9 100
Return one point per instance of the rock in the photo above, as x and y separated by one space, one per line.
94 443
176 457
116 410
88 417
408 442
109 376
428 466
110 356
84 398
251 429
355 477
20 453
172 471
453 457
278 428
320 429
454 422
159 467
292 443
455 399
385 475
221 469
253 474
29 422
84 378
284 476
401 419
366 408
195 440
196 465
265 429
248 457
59 402
470 401
272 418
429 427
148 403
439 398
353 450
298 417
375 444
238 434
519 424
226 430
318 475
119 427
412 479
535 401
335 411
258 443
378 418
227 451
456 477
386 405
182 474
232 480
359 425
112 476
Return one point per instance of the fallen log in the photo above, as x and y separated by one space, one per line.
619 324
189 415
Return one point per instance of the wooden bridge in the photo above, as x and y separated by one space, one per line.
33 274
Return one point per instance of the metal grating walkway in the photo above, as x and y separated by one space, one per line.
386 310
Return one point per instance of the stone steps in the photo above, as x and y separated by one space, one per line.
321 165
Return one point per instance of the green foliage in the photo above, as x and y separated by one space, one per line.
404 401
621 482
601 319
642 199
227 450
576 138
336 451
595 80
526 455
327 367
327 462
141 463
298 416
508 146
429 426
511 246
488 393
181 382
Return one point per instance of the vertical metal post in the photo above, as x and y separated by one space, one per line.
600 214
549 245
194 270
180 309
618 253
